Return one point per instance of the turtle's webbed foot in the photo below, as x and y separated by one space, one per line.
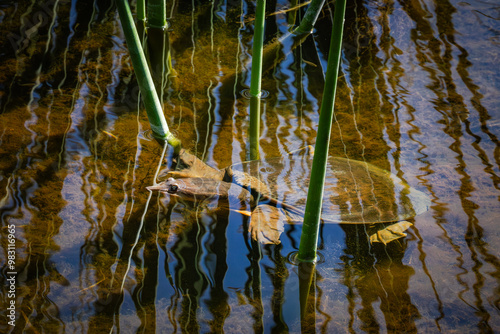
266 224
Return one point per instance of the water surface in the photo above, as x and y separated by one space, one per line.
96 252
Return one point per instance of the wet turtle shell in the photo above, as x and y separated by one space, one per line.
355 192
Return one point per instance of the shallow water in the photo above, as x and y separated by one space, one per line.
96 252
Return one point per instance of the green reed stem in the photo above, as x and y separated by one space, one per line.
150 98
307 275
254 130
272 52
258 43
141 10
310 17
309 237
157 13
256 78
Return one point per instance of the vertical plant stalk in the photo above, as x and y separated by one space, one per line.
158 53
157 13
158 45
141 10
254 131
307 274
150 98
256 78
258 43
269 58
310 229
310 17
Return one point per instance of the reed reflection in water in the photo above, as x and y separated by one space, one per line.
96 252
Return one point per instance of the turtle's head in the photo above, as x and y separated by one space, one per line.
192 188
179 187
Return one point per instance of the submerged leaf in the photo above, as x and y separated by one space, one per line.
391 232
266 224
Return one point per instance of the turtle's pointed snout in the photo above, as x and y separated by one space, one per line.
159 186
165 186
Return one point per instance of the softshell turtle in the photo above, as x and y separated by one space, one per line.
355 192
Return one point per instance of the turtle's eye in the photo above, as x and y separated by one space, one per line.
173 188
